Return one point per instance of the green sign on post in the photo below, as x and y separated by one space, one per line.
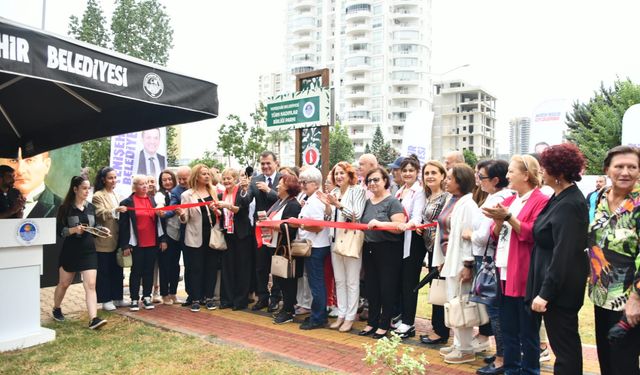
299 110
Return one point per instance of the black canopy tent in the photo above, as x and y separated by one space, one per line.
56 91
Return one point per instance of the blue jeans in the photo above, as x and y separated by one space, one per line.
315 276
520 336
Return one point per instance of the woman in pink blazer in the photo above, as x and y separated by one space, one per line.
513 228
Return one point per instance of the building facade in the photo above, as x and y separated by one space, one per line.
378 53
519 131
464 118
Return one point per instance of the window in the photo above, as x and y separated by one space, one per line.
358 8
377 62
405 62
375 90
471 119
406 34
377 36
376 103
405 76
358 60
376 76
376 116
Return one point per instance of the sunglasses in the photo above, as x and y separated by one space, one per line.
481 177
374 180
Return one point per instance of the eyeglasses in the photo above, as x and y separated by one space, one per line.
481 177
374 180
303 182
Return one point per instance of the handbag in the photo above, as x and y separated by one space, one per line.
438 292
460 312
216 238
298 247
122 260
281 265
486 283
348 243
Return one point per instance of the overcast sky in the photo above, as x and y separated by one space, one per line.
522 52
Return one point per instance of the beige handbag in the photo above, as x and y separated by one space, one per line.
299 248
216 238
438 292
462 313
122 260
348 243
281 265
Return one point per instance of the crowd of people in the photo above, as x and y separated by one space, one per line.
526 217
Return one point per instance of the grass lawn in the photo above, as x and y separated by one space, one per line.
126 346
586 320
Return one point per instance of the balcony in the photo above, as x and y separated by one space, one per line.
408 2
361 14
302 24
305 41
406 95
298 4
359 27
357 94
358 40
406 13
359 81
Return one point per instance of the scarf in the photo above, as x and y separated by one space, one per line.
228 214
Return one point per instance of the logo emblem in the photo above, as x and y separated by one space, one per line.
308 109
311 156
27 232
152 85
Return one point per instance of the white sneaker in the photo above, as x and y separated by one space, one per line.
108 306
397 325
457 357
545 356
122 302
148 305
402 328
156 298
446 350
480 346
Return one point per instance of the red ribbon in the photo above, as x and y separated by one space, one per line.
169 208
333 224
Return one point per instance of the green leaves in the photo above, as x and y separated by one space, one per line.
596 126
470 158
386 354
340 146
381 149
243 142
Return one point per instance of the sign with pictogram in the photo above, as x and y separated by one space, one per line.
311 156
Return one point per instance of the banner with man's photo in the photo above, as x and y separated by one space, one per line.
139 153
43 180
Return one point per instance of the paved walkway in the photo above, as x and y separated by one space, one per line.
323 348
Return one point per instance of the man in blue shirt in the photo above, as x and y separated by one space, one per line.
601 181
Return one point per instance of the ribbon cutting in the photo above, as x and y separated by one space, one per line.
169 208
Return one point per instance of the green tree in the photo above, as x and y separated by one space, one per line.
377 143
470 158
209 159
172 146
241 141
340 146
142 29
386 155
596 126
138 28
367 149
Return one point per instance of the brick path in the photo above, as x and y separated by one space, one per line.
323 348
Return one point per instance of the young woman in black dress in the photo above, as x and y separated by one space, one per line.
78 249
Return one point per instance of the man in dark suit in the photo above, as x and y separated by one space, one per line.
29 180
263 190
149 161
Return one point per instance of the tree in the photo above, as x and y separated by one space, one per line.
470 158
367 149
386 155
172 147
596 126
378 141
340 146
209 159
138 28
244 143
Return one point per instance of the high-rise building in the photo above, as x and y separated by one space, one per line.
464 118
519 130
378 53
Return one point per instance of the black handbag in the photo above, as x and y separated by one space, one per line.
486 283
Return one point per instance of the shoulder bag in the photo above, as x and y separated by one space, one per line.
438 292
299 248
283 265
348 242
460 312
216 238
486 283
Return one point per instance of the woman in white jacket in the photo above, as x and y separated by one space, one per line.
455 253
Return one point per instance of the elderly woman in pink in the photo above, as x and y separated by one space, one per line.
513 228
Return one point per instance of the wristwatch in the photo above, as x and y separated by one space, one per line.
508 217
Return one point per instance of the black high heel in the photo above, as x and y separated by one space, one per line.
411 332
367 332
377 336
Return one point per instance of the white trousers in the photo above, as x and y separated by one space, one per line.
462 336
346 272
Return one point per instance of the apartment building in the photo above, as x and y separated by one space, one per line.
519 131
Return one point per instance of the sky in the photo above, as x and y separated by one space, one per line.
522 52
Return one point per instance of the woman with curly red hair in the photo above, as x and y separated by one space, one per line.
559 264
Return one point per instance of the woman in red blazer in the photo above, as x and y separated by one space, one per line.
513 228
